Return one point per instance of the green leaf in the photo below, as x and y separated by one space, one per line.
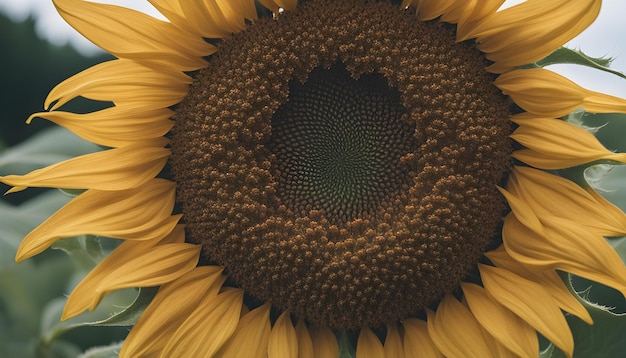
565 55
110 351
48 147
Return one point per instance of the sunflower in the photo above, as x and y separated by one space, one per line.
288 173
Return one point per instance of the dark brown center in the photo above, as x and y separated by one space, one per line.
342 161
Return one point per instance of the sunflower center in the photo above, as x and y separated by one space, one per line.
338 144
342 161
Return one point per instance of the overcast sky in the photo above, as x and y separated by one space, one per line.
606 37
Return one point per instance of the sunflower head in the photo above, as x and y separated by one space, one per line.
288 171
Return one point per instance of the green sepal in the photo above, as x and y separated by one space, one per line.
565 55
346 347
86 249
53 329
110 351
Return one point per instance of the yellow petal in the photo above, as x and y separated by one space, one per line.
251 336
455 331
522 210
171 10
565 245
548 279
173 303
556 144
393 342
324 342
130 34
217 317
545 93
549 194
531 302
122 82
428 10
115 169
148 268
283 341
531 30
115 126
368 345
136 214
217 18
305 344
476 12
417 340
502 324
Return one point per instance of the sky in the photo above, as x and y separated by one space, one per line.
605 37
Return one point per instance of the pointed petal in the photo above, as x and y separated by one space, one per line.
455 331
136 214
305 344
529 301
218 316
134 267
90 291
115 126
283 341
549 194
417 340
368 345
115 169
510 330
548 279
556 144
130 34
173 303
251 336
324 342
565 245
476 12
545 93
393 342
214 18
122 82
532 30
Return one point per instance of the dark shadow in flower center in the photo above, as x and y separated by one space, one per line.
338 144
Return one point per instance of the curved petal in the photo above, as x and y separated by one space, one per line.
305 344
548 279
215 18
122 82
548 194
476 12
251 337
417 340
556 144
115 169
283 342
114 126
324 342
136 214
218 316
529 301
565 245
131 34
545 93
393 342
173 303
511 331
368 345
455 331
531 30
148 268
